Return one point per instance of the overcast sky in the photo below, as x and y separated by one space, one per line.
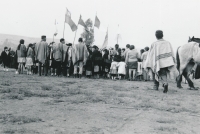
138 19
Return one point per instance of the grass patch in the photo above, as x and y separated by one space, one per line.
73 91
15 96
165 121
9 131
168 129
5 90
20 131
46 87
6 83
18 119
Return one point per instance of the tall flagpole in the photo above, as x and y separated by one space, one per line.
117 34
64 30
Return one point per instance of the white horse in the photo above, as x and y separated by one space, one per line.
188 56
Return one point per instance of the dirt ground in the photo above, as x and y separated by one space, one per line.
52 105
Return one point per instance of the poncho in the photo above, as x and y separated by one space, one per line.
161 55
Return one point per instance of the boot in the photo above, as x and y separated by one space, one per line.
156 85
165 88
80 75
75 75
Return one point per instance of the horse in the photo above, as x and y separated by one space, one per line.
188 57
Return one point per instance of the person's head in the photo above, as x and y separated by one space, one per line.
116 46
69 44
146 48
80 40
159 34
21 41
123 49
43 37
94 48
62 41
142 51
106 51
127 46
5 48
30 45
132 47
119 51
51 44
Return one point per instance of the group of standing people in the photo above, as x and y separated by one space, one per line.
64 59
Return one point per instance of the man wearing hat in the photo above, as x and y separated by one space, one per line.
160 62
41 51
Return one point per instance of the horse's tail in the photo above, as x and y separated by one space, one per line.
178 59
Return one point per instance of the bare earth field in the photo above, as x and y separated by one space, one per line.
51 105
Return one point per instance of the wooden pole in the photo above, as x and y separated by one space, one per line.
64 30
117 38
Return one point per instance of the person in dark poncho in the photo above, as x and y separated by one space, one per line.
106 63
97 61
67 59
12 58
88 66
5 55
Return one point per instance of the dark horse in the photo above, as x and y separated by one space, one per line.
188 57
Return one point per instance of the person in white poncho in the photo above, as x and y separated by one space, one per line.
161 62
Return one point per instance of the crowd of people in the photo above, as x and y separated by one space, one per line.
61 59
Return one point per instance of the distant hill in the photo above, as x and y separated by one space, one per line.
13 40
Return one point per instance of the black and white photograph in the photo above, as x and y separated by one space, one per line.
99 67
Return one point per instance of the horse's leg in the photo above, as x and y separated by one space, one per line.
179 80
182 68
186 73
190 83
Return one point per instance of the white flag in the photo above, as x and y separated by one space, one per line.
105 43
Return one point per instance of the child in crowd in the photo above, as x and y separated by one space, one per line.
29 59
113 68
121 68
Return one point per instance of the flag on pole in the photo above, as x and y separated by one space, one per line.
105 43
81 22
97 22
70 21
